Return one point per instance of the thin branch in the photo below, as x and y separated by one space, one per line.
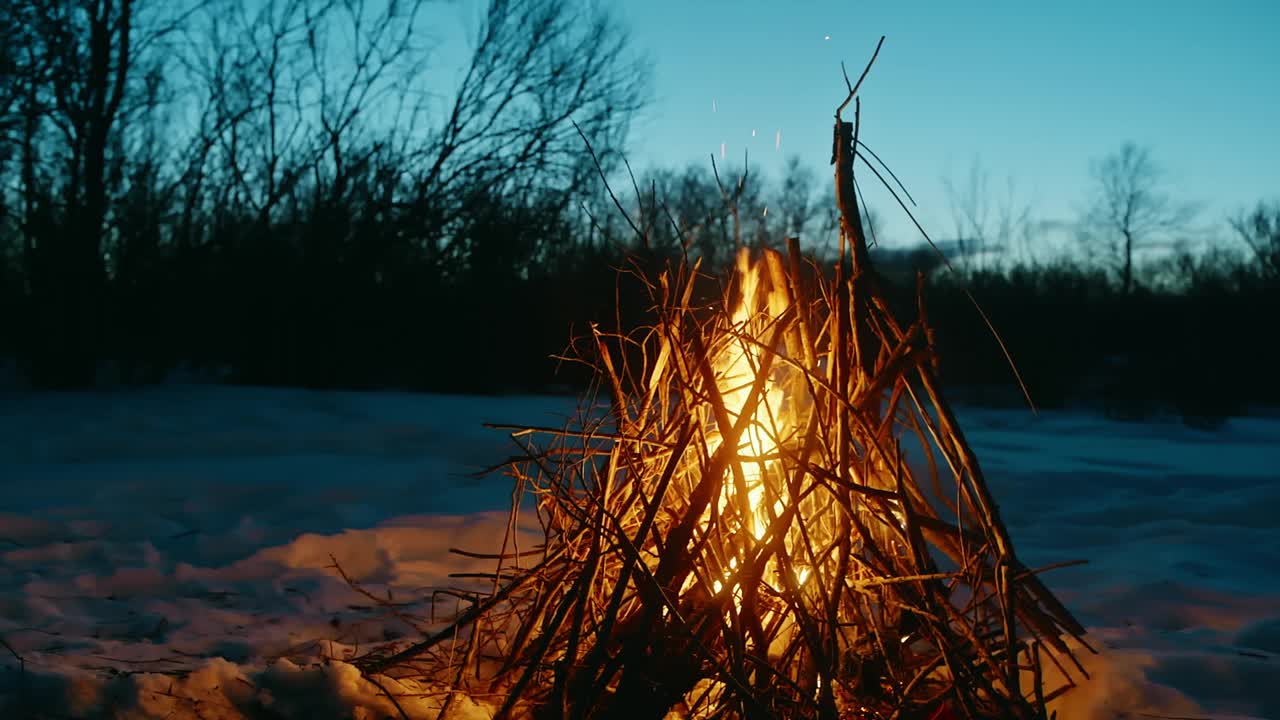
853 89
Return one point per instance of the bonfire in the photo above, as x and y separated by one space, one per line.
777 517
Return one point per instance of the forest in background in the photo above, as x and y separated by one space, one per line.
286 192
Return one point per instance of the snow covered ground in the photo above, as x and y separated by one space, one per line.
169 552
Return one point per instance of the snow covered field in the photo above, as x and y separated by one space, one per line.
169 552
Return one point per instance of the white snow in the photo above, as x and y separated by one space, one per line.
169 552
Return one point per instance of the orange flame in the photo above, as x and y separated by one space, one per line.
737 363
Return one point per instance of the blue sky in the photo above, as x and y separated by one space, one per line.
1033 91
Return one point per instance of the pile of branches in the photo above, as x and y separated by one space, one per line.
777 516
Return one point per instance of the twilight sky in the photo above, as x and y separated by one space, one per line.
1031 90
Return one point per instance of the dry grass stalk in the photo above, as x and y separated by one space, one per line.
779 517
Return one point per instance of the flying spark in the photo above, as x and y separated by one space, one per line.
713 104
826 37
721 151
753 132
777 140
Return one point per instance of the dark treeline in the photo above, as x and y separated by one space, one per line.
1193 338
293 192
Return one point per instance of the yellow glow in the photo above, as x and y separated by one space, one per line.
736 364
802 574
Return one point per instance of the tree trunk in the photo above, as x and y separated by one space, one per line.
71 273
1126 279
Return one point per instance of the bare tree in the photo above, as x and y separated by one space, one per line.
1260 230
795 202
1130 208
984 222
282 109
970 211
12 71
677 211
535 66
74 76
86 52
254 61
828 223
11 89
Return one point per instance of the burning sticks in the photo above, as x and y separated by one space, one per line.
779 517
